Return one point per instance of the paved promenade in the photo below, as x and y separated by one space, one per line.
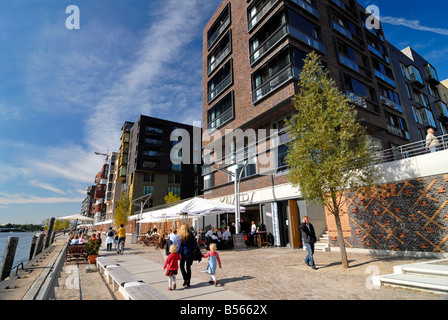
255 274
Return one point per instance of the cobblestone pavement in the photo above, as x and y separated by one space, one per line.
281 274
268 274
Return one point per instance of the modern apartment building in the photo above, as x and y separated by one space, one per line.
419 85
252 58
150 169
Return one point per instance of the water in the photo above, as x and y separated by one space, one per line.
23 247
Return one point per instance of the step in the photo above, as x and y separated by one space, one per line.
411 281
437 268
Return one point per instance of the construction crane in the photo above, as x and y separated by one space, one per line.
103 154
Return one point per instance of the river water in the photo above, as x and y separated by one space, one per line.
23 247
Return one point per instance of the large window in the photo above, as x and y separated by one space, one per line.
284 66
220 81
221 112
424 116
218 27
219 53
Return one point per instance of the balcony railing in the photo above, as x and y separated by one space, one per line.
221 119
348 62
260 14
378 53
342 30
222 55
410 150
220 87
287 73
218 32
307 7
391 104
385 78
279 35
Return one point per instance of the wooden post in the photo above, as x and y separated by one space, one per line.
8 257
49 233
39 245
33 246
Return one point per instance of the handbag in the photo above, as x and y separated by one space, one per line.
197 255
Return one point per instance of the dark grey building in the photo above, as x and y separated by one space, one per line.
417 82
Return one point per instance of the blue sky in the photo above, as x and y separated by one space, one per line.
65 93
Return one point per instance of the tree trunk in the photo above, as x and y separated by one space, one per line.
344 258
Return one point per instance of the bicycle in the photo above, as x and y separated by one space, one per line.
120 247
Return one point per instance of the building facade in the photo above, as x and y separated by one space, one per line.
252 58
419 86
150 169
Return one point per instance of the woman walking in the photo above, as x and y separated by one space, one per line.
187 243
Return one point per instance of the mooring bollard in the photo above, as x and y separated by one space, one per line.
39 245
33 246
8 257
49 233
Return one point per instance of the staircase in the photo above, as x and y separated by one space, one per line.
323 244
426 276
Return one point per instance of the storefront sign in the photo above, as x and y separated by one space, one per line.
245 198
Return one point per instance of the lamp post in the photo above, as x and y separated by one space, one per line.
143 200
237 192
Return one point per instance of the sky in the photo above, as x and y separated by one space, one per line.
65 92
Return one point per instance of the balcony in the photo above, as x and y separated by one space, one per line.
397 131
357 100
220 87
379 54
307 7
280 78
221 119
391 104
219 58
342 30
431 75
254 20
225 23
348 62
385 78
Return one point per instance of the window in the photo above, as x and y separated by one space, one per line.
146 190
424 116
283 67
219 53
218 27
354 86
220 81
396 125
221 112
421 98
174 190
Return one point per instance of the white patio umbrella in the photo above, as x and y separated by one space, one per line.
191 208
76 217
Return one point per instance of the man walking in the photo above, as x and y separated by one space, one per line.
431 141
309 238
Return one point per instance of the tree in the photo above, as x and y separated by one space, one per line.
170 197
329 151
122 210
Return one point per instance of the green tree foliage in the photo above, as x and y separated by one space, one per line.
330 150
122 210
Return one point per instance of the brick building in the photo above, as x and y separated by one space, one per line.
252 56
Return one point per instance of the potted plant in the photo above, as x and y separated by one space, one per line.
92 250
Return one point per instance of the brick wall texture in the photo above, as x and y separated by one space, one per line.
403 216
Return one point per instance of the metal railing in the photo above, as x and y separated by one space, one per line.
48 292
411 150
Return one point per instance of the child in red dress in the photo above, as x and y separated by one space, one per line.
172 266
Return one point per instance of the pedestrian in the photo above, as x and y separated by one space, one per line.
168 242
171 265
431 141
309 238
110 239
186 244
213 262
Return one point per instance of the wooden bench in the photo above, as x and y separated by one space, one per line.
76 253
103 262
142 291
118 276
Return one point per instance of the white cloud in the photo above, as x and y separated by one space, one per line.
413 24
13 199
46 186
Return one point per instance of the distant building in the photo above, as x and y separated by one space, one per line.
419 84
